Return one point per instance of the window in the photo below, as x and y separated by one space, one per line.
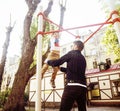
94 88
116 88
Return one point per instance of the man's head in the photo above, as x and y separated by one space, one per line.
78 45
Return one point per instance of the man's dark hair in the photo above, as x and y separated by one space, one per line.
79 44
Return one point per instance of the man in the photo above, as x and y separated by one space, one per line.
53 55
75 90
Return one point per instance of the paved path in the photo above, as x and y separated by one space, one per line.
103 109
88 109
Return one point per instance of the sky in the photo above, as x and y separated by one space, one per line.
17 10
78 13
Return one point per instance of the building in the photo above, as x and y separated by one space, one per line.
104 86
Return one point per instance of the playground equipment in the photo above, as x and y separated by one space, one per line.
39 46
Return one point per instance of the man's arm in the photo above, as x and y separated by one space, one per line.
63 69
60 61
52 63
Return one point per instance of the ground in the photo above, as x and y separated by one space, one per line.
75 109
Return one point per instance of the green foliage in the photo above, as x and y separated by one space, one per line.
45 38
33 28
3 97
26 97
110 40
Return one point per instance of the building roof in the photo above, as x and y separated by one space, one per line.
95 71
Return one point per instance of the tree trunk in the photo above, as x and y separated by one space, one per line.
62 11
4 53
15 100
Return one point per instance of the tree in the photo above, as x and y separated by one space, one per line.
110 40
62 8
15 100
5 49
25 71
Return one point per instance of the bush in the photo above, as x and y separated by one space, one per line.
26 98
3 97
